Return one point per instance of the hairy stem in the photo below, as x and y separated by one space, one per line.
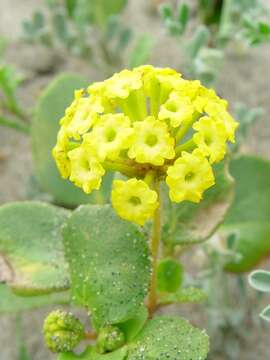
90 335
154 245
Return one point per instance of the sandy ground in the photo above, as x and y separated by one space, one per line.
244 77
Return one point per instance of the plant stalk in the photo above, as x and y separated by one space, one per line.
154 245
90 335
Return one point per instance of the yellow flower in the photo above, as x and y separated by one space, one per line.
177 109
139 122
59 153
190 88
157 84
168 80
70 110
85 169
162 77
218 111
204 97
121 84
152 142
111 134
133 200
84 116
210 138
189 177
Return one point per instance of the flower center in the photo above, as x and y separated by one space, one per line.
208 140
135 200
172 107
110 134
151 140
189 176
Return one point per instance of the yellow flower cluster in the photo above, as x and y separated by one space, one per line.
150 125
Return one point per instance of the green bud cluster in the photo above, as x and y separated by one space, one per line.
62 331
110 338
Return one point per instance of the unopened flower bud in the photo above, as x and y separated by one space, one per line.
62 331
110 338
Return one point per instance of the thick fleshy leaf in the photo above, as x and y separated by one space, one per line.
189 223
109 264
169 275
45 125
31 249
260 280
11 303
91 354
183 295
249 216
169 338
265 314
133 326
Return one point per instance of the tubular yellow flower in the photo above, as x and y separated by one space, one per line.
206 97
111 134
121 84
60 152
152 142
210 138
85 169
133 200
84 117
177 109
219 112
189 177
190 88
157 84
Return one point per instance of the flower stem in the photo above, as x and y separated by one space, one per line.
119 166
91 335
154 245
187 146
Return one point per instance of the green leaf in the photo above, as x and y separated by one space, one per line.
116 355
31 247
207 64
45 125
265 314
125 37
169 338
166 11
103 9
141 52
132 327
249 215
198 41
38 20
183 295
169 275
260 280
60 27
188 223
109 264
70 6
9 82
11 303
91 354
183 15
